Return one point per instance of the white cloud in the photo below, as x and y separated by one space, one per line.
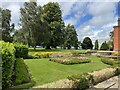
15 12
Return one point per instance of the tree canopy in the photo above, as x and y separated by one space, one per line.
87 43
7 28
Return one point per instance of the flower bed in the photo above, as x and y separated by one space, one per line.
52 54
72 60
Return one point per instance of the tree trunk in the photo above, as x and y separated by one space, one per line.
34 47
47 47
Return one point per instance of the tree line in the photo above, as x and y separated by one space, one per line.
43 26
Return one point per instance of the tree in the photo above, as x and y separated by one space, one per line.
111 35
110 45
6 27
19 36
87 43
35 29
110 42
53 16
70 37
96 45
104 46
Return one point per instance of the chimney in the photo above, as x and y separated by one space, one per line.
119 21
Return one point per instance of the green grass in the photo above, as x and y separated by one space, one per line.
45 71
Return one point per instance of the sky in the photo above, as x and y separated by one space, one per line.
91 18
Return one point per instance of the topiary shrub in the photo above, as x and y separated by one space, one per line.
21 50
7 63
21 74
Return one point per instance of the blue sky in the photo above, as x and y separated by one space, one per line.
93 19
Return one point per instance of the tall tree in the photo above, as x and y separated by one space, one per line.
34 27
104 46
53 16
70 37
96 45
87 43
6 27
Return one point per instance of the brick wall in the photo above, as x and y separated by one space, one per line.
117 38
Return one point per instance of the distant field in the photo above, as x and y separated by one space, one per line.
45 71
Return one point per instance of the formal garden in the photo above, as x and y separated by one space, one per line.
44 53
26 68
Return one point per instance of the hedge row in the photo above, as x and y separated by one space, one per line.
110 62
8 59
87 80
21 51
9 54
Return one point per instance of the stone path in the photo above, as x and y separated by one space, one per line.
113 82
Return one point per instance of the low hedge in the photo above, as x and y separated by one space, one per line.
87 80
21 74
81 82
21 50
8 60
110 62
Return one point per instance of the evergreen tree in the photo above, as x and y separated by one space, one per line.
104 46
87 43
71 37
53 16
6 27
96 45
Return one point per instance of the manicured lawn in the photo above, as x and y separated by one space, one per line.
45 71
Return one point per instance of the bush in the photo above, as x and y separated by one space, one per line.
109 62
21 51
43 54
81 82
116 53
7 63
21 74
117 71
87 80
102 75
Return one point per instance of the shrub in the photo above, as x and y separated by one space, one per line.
21 74
87 80
21 51
109 62
117 71
43 54
116 53
7 63
103 75
81 82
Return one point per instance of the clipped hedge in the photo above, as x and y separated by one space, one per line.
8 60
21 50
81 82
21 74
87 80
109 62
